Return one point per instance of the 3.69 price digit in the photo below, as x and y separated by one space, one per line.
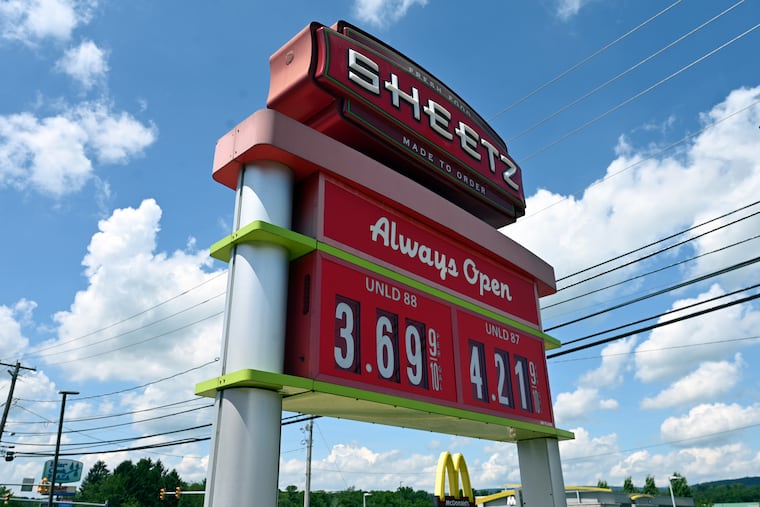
346 347
387 360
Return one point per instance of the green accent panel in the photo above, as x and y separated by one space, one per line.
549 341
309 396
259 231
286 384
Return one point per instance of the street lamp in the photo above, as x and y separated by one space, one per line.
58 445
670 485
364 499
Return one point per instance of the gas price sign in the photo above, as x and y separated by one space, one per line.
367 331
505 368
374 332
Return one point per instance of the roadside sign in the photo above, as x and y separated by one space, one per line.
27 484
69 470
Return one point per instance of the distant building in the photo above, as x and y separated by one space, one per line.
594 497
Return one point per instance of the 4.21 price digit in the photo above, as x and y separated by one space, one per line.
523 372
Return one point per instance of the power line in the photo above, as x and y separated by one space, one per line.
658 270
661 444
641 160
671 288
584 61
652 317
639 94
670 247
140 328
658 349
128 389
661 240
142 447
72 446
126 449
126 319
651 327
98 428
625 72
151 338
105 416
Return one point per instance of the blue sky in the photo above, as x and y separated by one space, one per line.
632 121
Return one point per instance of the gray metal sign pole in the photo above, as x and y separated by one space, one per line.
245 450
541 473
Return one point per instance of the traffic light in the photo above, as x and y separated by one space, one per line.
177 491
162 493
43 488
7 498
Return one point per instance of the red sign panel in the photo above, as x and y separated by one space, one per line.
355 221
364 93
352 327
503 369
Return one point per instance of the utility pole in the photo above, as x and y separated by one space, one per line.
307 488
14 375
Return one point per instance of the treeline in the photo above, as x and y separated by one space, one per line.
747 490
403 497
137 485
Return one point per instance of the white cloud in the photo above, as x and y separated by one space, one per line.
580 404
615 361
381 13
588 456
500 467
566 9
12 339
54 155
85 63
346 463
696 464
710 380
138 301
31 21
676 349
710 423
645 199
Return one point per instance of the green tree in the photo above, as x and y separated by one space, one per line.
90 489
628 486
5 491
650 488
679 485
291 497
601 483
133 485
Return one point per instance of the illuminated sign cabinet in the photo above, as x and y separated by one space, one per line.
368 331
353 86
405 305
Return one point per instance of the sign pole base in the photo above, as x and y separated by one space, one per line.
541 473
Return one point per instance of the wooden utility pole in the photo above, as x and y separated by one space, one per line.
14 375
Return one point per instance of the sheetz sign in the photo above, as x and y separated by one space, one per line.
370 281
362 92
405 305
